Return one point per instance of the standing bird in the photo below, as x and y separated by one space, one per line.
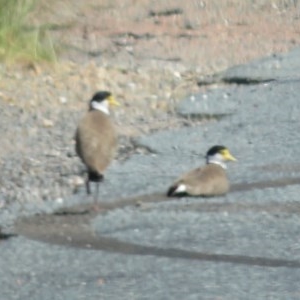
209 180
96 138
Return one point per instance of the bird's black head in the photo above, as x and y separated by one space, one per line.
102 100
101 96
215 149
218 154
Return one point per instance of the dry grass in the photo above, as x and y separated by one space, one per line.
97 26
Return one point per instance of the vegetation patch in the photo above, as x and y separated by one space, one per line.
20 42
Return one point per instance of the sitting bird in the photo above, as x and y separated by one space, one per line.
209 180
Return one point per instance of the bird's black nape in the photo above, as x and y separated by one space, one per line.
214 150
101 95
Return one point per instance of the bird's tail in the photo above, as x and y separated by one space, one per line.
171 191
177 190
95 176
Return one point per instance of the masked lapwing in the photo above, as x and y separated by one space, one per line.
96 138
206 181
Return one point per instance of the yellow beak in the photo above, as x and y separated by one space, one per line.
227 155
112 101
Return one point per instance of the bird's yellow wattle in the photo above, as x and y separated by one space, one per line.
112 101
228 156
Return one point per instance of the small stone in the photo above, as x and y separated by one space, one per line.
48 123
177 74
63 100
129 49
53 153
59 200
77 181
168 95
132 86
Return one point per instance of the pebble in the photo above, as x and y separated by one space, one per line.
76 181
63 100
48 123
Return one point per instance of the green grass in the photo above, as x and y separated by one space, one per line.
20 42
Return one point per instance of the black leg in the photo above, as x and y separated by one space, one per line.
97 192
87 186
96 177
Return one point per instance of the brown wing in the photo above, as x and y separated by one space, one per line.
96 141
210 180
